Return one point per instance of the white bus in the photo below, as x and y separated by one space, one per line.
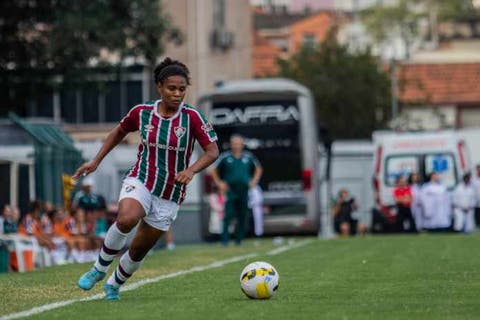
277 119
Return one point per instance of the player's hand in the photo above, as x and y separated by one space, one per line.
85 169
185 176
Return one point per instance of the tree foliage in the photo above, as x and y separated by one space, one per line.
42 41
351 90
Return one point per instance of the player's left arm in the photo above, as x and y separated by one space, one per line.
206 137
209 155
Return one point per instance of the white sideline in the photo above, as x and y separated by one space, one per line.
135 285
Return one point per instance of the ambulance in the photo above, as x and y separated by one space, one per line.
402 153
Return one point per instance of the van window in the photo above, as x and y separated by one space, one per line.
443 164
400 165
423 164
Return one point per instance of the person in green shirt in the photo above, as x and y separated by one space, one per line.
234 173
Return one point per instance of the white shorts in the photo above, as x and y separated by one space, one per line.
159 213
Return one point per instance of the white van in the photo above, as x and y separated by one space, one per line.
401 153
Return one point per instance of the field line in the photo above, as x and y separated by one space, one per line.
289 247
135 285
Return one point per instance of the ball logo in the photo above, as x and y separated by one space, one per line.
179 131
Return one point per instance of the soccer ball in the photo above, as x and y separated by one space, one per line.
259 280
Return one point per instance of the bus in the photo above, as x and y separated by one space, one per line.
277 119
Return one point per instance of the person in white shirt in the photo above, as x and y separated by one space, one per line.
255 202
476 186
463 206
416 206
436 204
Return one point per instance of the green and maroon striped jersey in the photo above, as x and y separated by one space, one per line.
166 146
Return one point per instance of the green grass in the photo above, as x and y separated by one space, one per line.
387 277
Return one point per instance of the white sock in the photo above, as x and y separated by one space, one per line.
126 267
113 243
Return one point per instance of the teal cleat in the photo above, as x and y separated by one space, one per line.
88 280
111 292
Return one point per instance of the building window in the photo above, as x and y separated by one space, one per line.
309 40
219 14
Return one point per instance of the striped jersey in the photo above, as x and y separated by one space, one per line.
166 146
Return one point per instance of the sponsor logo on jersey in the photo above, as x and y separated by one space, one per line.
162 146
207 127
148 127
179 131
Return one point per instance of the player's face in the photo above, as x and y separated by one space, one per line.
172 91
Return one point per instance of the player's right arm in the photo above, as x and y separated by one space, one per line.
128 124
113 139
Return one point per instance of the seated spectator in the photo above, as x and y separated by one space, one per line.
464 206
342 212
10 220
31 226
436 205
402 193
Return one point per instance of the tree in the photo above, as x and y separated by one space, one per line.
351 90
47 43
401 19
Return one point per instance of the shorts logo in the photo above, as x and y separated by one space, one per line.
179 131
129 188
148 127
207 127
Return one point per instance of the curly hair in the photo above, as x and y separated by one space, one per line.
168 68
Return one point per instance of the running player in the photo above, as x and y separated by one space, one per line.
156 184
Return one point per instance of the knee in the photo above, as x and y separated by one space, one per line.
125 223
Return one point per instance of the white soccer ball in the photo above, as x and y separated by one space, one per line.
259 280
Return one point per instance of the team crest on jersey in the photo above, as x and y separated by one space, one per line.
148 127
179 131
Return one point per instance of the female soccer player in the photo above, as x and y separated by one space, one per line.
155 186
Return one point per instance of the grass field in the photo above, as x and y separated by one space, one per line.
381 277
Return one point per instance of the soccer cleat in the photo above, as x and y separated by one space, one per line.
88 280
111 292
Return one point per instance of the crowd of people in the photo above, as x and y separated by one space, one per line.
74 236
430 206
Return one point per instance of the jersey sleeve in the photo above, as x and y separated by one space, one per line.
131 121
202 129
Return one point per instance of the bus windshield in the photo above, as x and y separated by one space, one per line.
271 132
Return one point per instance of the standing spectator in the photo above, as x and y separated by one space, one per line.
344 206
476 186
216 200
416 207
88 202
464 206
402 194
436 205
255 202
235 172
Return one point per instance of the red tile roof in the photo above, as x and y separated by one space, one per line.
264 57
452 83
